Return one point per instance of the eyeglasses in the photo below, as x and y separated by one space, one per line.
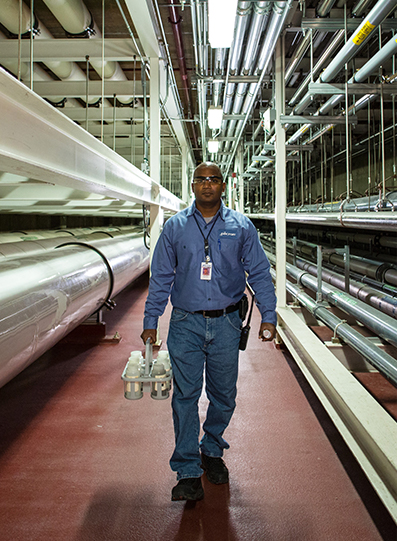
212 180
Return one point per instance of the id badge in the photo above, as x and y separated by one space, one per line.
206 270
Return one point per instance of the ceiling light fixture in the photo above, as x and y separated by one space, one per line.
213 146
215 115
221 18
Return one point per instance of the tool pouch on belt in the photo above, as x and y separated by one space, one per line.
246 329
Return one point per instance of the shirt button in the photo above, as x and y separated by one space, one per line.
209 299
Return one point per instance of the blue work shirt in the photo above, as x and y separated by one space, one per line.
234 248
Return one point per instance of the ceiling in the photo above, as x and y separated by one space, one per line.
241 80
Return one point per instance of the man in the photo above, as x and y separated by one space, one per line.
201 258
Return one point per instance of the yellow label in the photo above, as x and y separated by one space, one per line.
363 33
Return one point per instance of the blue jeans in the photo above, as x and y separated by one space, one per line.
195 342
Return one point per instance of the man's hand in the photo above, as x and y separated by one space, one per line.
149 333
265 336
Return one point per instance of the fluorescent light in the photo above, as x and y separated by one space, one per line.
221 17
213 146
215 115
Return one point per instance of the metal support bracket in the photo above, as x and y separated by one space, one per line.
320 119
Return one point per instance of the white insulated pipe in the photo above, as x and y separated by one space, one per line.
75 18
43 298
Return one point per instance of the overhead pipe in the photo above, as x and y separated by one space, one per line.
324 7
76 20
376 16
361 7
258 22
175 21
298 55
218 71
272 33
9 17
46 296
276 24
382 361
362 74
242 17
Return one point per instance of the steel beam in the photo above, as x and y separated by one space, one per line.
352 88
320 119
77 89
72 50
335 24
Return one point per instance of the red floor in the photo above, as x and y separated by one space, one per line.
79 462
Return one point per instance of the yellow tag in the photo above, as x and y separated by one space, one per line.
363 33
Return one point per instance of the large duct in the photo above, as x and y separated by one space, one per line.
42 298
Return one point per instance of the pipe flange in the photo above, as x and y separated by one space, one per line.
107 303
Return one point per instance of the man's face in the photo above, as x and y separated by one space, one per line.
208 192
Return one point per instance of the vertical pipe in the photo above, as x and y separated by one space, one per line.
19 39
155 150
145 164
382 132
369 154
31 42
103 69
280 163
87 76
184 175
114 121
332 168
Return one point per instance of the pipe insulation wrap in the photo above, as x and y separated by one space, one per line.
43 298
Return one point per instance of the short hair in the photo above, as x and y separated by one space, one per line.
208 164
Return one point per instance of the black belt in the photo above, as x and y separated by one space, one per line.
218 313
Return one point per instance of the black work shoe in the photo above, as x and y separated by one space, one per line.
215 469
188 489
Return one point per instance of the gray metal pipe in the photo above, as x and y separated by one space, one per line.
384 362
275 26
298 55
42 298
381 324
357 220
377 14
361 7
381 301
242 18
306 100
324 7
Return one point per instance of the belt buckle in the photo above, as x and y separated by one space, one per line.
206 317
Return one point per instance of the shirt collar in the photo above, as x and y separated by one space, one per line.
222 210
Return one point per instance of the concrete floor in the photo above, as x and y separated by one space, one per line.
79 462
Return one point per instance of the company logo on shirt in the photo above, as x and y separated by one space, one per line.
228 234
